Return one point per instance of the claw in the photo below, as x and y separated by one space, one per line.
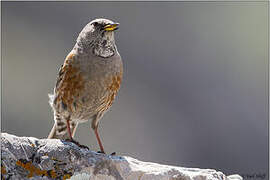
102 152
77 143
112 154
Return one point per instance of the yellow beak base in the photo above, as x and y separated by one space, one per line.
111 27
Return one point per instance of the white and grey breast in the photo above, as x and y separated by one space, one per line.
102 77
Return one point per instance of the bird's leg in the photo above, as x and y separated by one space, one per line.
69 131
71 138
95 124
98 139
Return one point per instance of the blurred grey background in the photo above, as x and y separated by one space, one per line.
195 83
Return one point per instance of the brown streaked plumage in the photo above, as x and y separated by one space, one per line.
88 81
70 82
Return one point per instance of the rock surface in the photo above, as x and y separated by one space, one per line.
32 158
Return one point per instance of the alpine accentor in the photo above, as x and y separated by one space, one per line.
88 81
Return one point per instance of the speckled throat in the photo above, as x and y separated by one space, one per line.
103 48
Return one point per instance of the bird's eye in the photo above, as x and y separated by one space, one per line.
95 23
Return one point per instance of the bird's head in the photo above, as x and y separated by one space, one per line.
98 37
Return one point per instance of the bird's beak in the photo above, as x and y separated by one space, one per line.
111 27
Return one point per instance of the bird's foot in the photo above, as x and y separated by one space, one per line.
101 152
112 154
77 143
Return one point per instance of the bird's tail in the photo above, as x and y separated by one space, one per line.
60 131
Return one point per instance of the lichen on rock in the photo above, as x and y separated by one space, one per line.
28 157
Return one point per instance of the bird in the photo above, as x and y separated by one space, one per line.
87 82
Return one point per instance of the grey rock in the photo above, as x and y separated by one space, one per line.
42 159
